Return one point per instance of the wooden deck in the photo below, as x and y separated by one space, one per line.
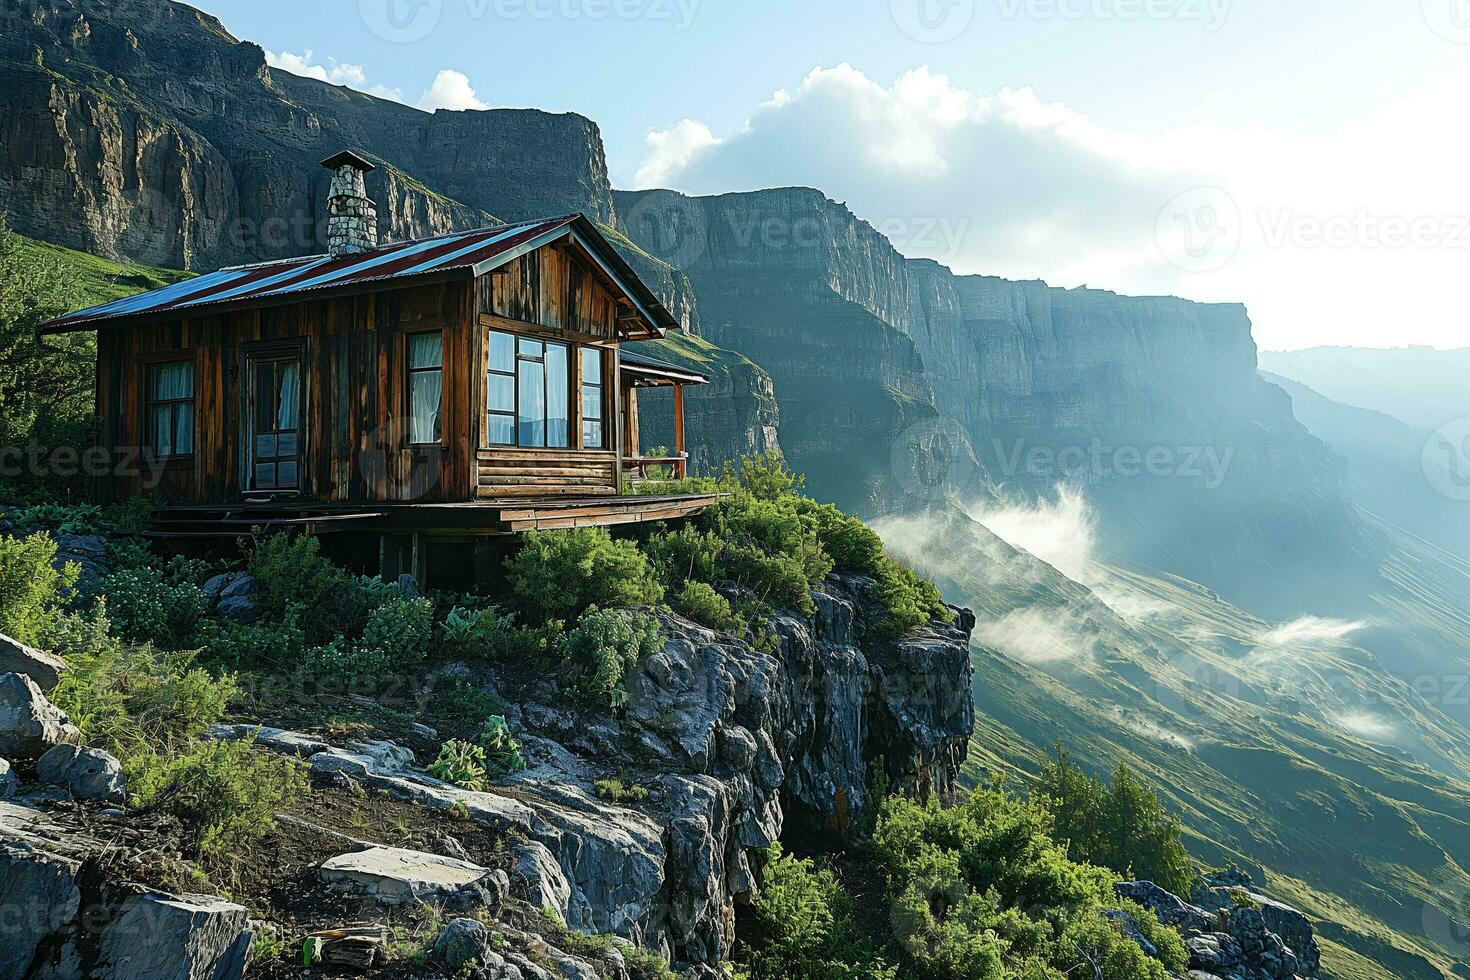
480 518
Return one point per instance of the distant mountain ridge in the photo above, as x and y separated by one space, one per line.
1419 385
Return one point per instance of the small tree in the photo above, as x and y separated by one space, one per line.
1120 825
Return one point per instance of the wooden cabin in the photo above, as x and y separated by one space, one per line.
454 389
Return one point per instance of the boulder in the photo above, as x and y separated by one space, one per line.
86 774
275 739
536 878
1213 953
40 889
43 668
463 943
29 724
393 876
1171 909
233 594
8 782
87 551
155 936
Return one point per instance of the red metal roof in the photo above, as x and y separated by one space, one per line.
474 252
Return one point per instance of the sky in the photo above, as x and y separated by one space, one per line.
1305 157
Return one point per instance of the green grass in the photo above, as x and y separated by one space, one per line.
103 280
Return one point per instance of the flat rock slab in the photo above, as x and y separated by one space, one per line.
39 666
395 876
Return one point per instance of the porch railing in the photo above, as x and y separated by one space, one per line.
642 468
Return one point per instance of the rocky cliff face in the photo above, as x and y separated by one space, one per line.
177 145
822 302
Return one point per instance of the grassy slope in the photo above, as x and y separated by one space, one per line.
1247 744
102 280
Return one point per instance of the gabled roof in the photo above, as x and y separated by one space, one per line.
656 372
469 253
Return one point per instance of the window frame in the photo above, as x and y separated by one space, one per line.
572 350
601 387
252 355
146 432
410 372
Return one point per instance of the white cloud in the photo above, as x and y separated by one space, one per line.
1043 191
672 150
1061 532
451 90
332 72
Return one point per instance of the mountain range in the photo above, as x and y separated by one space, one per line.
1238 583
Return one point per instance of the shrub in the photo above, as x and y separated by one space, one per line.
395 636
225 793
134 701
461 763
30 586
601 651
701 603
485 634
296 579
63 518
619 792
502 752
560 574
159 605
804 927
983 891
1121 825
235 646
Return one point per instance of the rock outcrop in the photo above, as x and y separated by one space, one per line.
1234 933
69 919
735 747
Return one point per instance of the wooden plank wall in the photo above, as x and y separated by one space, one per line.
355 401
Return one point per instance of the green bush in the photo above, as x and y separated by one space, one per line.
30 586
619 792
225 793
804 929
983 892
502 752
153 604
134 701
604 647
1120 825
461 763
701 603
561 574
485 634
396 636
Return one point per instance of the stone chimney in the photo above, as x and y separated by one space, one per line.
352 218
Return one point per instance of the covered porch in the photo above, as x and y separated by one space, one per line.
640 372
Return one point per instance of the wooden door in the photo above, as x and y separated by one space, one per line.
273 420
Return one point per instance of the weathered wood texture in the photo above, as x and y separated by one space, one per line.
354 408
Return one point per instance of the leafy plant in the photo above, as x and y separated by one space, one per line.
461 763
30 586
701 603
162 605
601 651
561 574
502 752
804 928
225 793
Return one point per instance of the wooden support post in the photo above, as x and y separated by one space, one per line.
419 565
683 465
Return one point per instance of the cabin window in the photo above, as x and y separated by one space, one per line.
527 392
425 387
592 398
170 408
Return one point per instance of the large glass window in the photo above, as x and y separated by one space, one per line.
528 400
425 387
170 408
592 398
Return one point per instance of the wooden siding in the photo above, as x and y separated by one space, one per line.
505 472
354 403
